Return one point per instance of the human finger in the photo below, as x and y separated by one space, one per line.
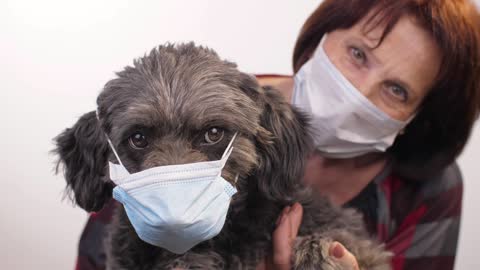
343 257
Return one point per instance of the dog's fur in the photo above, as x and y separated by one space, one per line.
174 95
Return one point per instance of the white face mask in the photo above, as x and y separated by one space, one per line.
346 124
176 206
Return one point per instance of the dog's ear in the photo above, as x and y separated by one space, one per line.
283 152
83 152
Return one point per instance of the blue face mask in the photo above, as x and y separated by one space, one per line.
176 206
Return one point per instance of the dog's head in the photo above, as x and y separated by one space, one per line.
182 104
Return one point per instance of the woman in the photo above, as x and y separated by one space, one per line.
417 66
408 73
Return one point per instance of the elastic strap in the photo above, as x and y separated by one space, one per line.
229 148
110 143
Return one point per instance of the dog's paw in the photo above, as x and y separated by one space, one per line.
312 252
371 256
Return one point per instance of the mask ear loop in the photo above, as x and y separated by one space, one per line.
235 180
110 143
227 153
229 148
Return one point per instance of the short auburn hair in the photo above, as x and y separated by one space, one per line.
439 132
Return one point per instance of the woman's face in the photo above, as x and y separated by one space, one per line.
395 76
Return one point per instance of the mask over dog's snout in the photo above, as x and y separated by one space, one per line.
175 206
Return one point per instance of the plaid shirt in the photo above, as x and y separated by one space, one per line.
418 220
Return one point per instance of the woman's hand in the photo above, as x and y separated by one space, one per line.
284 238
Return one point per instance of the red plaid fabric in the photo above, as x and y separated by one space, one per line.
418 220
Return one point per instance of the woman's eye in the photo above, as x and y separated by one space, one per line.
138 140
358 55
398 92
214 135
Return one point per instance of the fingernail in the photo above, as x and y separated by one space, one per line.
296 207
285 211
337 251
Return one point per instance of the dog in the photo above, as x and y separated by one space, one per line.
172 99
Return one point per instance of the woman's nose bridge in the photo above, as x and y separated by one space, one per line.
371 82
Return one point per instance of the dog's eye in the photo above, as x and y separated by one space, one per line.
213 135
138 141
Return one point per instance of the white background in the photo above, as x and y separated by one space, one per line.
55 57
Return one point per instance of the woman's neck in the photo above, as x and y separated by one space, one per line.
342 179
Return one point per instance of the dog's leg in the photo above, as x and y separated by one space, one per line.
311 251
